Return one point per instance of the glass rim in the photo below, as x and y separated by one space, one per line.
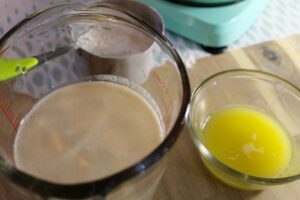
208 155
103 186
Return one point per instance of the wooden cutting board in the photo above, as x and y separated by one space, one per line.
186 178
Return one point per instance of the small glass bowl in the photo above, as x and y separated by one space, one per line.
271 94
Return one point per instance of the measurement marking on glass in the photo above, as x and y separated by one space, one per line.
6 110
168 103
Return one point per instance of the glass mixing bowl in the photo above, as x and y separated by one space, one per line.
269 94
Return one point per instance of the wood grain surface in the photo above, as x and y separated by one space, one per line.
186 178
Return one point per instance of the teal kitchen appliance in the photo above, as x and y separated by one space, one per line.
215 24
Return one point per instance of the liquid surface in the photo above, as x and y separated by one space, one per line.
248 141
86 131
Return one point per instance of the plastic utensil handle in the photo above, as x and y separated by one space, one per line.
12 68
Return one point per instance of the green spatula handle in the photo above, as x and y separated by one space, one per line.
12 68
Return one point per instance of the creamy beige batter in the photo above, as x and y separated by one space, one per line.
86 131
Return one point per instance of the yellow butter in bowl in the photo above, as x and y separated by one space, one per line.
248 141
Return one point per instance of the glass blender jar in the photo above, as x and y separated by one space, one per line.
64 40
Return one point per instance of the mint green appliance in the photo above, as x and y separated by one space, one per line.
214 24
